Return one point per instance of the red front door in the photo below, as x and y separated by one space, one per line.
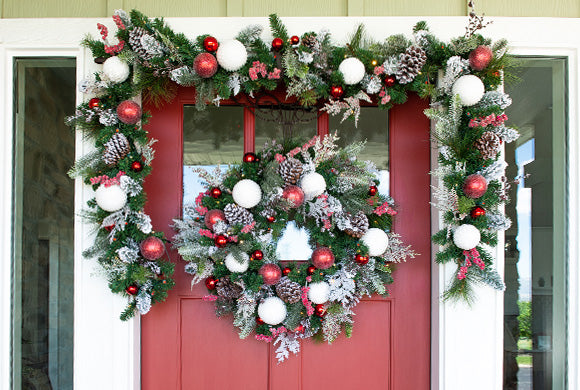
184 345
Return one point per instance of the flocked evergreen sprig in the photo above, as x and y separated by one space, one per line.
229 239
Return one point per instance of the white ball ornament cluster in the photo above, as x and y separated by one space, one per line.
272 310
376 240
234 265
247 193
319 292
313 184
116 69
470 89
111 198
466 237
232 55
353 70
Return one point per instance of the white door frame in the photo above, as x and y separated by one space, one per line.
107 350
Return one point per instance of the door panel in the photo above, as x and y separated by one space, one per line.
184 346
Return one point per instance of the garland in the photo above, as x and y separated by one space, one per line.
148 57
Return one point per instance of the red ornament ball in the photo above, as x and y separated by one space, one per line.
271 274
212 216
210 44
311 270
136 166
258 254
205 65
299 329
480 57
132 290
322 258
474 186
294 39
477 212
94 103
259 321
320 310
152 248
129 112
286 271
361 259
271 218
336 91
390 80
216 192
220 240
210 283
277 44
373 190
294 195
250 157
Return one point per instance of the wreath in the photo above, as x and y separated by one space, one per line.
229 239
147 57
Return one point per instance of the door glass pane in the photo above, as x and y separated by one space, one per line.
43 252
535 252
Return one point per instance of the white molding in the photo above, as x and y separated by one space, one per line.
107 350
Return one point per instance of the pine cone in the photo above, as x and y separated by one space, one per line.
237 214
288 290
488 145
116 148
290 170
309 40
360 225
135 36
227 289
410 64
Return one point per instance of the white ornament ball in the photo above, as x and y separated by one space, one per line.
470 89
116 69
232 55
353 70
313 184
234 265
319 292
272 310
376 240
111 198
466 237
247 193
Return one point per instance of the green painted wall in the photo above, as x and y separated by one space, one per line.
104 8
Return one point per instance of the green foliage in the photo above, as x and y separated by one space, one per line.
525 319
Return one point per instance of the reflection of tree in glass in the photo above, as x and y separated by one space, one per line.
284 125
220 124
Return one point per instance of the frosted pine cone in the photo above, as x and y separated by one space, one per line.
360 224
410 64
227 289
290 170
309 40
116 148
288 290
237 214
135 36
488 145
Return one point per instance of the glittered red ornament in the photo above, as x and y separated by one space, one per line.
152 248
361 259
205 65
129 112
480 57
250 157
320 310
286 271
212 216
277 44
474 186
294 39
322 258
299 329
271 274
477 212
220 240
294 195
136 166
336 91
132 290
270 218
259 321
390 80
373 190
210 282
311 270
258 254
216 192
210 44
94 103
